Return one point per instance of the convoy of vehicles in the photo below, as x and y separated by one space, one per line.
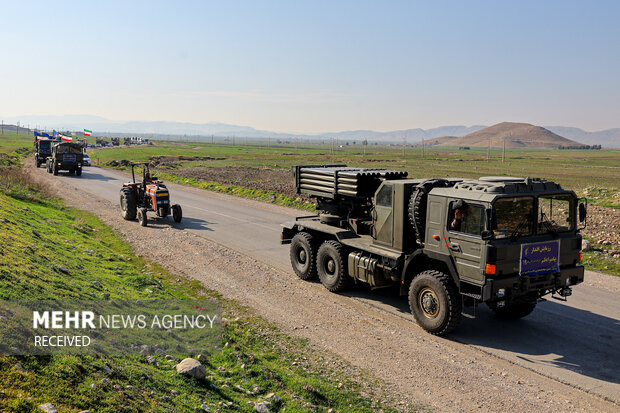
449 243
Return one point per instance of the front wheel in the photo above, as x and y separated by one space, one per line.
55 169
142 219
332 267
435 302
78 172
303 255
514 310
177 213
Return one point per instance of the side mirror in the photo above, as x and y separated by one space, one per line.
582 212
486 235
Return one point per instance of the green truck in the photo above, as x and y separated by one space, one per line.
66 156
450 243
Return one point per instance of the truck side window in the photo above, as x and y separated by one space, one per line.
466 218
384 197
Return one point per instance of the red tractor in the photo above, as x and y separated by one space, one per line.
149 195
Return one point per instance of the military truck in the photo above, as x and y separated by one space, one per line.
66 156
449 243
42 149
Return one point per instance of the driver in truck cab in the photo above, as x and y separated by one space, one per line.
459 209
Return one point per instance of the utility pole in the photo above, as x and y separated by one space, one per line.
489 150
212 141
504 150
422 148
404 146
17 128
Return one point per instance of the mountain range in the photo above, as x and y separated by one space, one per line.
102 126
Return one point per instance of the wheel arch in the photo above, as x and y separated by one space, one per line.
422 260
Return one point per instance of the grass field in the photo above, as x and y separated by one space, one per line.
594 174
49 251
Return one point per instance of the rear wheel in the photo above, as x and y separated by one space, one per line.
435 302
177 213
514 310
303 255
331 266
142 219
55 168
128 204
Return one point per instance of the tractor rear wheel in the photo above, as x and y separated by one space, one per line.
303 255
177 213
435 302
142 219
129 207
332 266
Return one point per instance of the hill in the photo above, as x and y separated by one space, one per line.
609 138
516 135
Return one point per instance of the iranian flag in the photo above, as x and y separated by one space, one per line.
66 138
87 132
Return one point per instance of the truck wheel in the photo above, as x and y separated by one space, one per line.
513 311
177 213
435 302
128 204
142 219
78 172
331 266
55 169
303 255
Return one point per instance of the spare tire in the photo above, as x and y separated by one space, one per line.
418 202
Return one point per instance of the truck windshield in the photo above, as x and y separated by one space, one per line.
69 149
514 217
556 213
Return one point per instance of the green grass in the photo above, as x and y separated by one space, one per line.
597 260
38 235
593 174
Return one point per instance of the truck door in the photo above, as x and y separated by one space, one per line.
465 223
384 215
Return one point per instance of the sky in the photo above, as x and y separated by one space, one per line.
315 66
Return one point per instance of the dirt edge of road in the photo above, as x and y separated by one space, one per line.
418 367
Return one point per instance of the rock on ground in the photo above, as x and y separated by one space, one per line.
191 367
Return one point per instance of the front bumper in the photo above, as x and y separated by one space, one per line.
513 287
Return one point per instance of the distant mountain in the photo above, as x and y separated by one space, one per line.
103 126
609 138
411 135
516 135
163 129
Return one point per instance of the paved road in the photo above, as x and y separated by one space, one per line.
576 342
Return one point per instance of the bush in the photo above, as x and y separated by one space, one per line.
17 183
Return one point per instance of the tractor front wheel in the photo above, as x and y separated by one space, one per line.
177 213
129 207
142 219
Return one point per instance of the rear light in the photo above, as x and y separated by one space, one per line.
580 257
490 270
